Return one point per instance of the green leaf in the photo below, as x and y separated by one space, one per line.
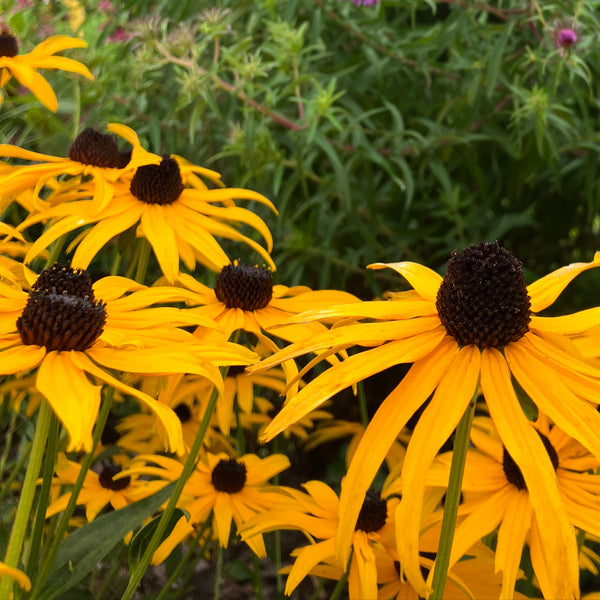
81 551
495 59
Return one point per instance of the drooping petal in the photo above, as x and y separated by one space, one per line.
222 516
18 576
35 82
527 450
421 278
20 358
348 372
511 538
546 290
436 424
74 399
306 559
392 415
162 239
362 582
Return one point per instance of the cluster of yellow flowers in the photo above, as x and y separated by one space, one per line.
207 366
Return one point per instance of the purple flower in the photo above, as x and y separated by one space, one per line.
365 2
565 35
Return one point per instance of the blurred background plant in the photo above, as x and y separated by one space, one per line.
399 131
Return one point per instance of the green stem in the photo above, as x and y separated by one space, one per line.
136 576
362 404
457 469
55 252
15 545
142 266
341 584
46 565
256 582
218 574
44 494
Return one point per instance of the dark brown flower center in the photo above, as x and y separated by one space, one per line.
483 298
229 476
158 184
373 513
245 287
183 411
9 46
61 311
513 472
106 478
99 149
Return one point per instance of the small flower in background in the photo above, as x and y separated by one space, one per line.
365 2
565 35
23 67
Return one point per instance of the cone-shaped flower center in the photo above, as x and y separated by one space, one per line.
229 476
106 478
565 38
513 472
245 287
183 411
9 46
373 513
99 149
483 298
158 184
61 311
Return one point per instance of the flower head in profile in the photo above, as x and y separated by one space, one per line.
475 328
231 489
498 497
68 329
24 67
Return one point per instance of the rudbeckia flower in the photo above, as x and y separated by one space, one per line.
65 327
100 488
476 326
165 197
229 489
316 514
246 298
93 156
23 67
498 497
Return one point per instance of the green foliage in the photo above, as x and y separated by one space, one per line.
397 132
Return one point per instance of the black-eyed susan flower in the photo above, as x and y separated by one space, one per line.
316 513
231 489
100 488
246 298
169 203
23 67
476 326
497 496
65 328
93 156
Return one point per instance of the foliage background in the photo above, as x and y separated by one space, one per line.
396 132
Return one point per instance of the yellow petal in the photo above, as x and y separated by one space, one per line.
20 358
425 281
527 450
420 381
344 374
18 576
546 290
162 239
56 43
578 322
222 516
363 570
73 398
306 559
33 81
451 398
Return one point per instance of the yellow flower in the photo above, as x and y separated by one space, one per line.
246 298
23 67
230 489
498 496
100 489
164 197
316 514
476 326
93 156
65 327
